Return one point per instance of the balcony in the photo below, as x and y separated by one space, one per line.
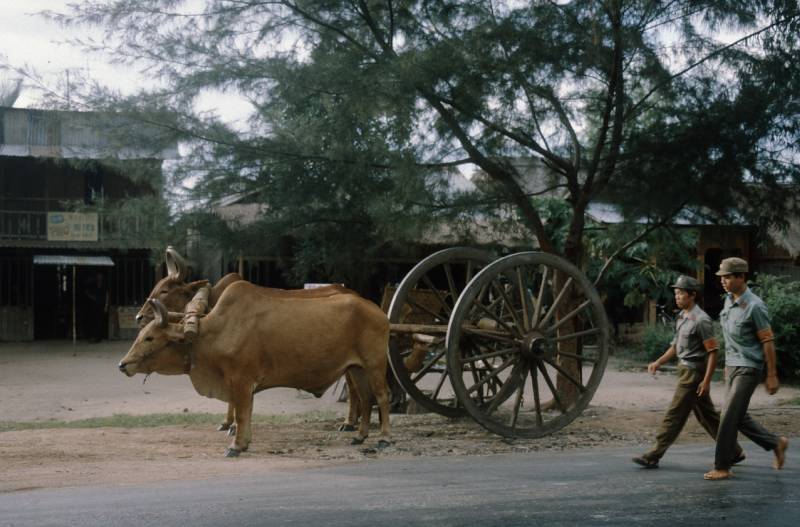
111 227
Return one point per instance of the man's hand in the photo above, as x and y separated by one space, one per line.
704 388
653 367
772 384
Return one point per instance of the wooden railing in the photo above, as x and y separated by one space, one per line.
32 225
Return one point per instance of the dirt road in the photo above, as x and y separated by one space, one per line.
51 381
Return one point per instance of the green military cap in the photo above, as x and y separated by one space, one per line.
686 282
731 266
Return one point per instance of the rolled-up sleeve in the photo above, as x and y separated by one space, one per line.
760 317
706 332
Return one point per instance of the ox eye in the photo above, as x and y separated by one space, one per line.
148 339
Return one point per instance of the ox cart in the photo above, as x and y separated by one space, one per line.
519 343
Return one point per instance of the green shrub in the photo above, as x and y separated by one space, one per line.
782 297
656 340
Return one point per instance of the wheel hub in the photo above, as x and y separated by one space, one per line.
534 346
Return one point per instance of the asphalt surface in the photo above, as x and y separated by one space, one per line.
597 487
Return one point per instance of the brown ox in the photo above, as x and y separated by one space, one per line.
250 342
175 294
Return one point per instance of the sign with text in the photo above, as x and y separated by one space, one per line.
72 226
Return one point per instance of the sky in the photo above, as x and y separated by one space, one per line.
30 42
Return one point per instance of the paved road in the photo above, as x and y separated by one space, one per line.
599 487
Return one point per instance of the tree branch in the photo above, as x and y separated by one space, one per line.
494 169
632 111
635 240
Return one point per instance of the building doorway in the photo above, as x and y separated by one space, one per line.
52 301
63 307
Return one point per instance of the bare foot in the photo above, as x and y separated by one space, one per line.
718 474
780 453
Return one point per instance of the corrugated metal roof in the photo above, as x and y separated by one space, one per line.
59 259
83 135
78 246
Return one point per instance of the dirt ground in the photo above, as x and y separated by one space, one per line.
53 381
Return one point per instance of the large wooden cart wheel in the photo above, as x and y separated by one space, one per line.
422 305
534 322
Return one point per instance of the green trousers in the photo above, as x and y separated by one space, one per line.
684 402
741 382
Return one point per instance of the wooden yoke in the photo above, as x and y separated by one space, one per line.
195 309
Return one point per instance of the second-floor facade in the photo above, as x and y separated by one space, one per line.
61 174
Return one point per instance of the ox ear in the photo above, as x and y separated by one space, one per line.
195 286
176 265
160 312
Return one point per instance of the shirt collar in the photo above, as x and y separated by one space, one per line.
745 296
685 313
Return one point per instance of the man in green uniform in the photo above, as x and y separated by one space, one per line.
696 349
749 346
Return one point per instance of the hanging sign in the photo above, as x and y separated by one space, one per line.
72 226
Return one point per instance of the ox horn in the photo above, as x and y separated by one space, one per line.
159 312
176 265
422 338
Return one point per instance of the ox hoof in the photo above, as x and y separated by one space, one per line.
347 428
232 452
383 443
232 430
223 427
357 441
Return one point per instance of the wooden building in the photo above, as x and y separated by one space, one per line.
60 175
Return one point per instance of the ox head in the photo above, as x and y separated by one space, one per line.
170 290
173 294
159 347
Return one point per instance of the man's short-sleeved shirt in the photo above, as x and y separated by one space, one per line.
694 337
745 326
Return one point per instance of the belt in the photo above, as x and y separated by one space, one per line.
691 363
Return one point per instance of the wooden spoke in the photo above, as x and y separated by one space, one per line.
593 331
491 305
546 377
499 353
494 385
470 270
566 374
552 311
451 283
476 379
419 306
576 356
492 375
538 307
428 366
439 385
518 400
438 295
508 304
497 319
536 401
523 296
568 317
489 334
